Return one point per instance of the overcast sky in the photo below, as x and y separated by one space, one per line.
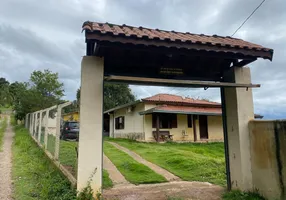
37 35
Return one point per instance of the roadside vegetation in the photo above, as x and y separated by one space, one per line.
238 195
190 161
34 175
3 126
133 171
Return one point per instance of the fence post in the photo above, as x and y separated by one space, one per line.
46 128
32 125
31 120
40 127
58 128
35 125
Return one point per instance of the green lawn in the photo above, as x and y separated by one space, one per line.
67 157
3 125
133 171
34 176
190 161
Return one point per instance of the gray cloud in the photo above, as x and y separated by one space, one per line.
39 35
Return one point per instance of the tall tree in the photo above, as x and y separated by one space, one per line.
43 91
5 95
114 95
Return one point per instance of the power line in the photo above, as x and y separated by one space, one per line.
248 17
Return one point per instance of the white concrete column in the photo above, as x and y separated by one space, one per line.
239 111
58 128
91 124
58 132
31 123
35 124
46 128
40 126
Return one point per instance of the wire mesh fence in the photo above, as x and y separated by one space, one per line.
56 131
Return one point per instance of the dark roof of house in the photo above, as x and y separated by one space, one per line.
183 110
172 39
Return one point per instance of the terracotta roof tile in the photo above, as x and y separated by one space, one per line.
174 38
169 98
184 110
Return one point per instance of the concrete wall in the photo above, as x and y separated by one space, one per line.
268 157
133 121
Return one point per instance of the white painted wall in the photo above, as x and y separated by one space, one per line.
133 121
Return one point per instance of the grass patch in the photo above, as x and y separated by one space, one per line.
3 126
107 182
68 157
133 171
238 195
51 144
35 177
190 161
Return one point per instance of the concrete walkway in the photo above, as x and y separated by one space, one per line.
6 165
116 177
168 176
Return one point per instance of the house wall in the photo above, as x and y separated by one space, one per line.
182 125
141 125
133 122
215 129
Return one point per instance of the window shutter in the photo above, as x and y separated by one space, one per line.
174 123
122 122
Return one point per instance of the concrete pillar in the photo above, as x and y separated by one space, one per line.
46 129
239 110
58 132
31 123
58 128
35 124
40 126
91 124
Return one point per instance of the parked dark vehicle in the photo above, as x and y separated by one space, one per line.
70 130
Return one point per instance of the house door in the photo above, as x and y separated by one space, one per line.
203 121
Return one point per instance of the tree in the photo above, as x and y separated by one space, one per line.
43 91
114 95
5 95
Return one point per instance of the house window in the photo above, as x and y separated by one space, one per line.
165 120
190 121
119 122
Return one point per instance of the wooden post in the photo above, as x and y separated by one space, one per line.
195 128
157 127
